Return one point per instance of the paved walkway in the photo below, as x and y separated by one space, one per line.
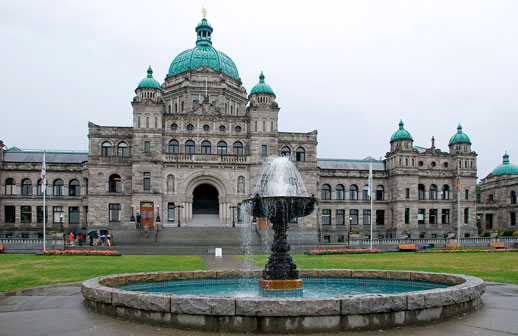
59 310
227 262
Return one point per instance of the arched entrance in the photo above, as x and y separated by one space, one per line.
205 205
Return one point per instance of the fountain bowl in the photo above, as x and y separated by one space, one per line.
280 208
285 315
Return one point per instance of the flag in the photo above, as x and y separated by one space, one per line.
458 178
43 175
370 179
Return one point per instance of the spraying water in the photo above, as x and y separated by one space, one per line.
280 177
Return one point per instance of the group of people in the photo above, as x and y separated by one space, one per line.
101 238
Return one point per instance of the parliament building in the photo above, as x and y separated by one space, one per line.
194 153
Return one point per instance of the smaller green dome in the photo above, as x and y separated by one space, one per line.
459 137
401 133
262 87
149 81
506 168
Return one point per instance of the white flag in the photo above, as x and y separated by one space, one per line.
370 179
43 175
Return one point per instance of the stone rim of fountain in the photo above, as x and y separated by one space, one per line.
281 315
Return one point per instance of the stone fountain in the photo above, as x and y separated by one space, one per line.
280 185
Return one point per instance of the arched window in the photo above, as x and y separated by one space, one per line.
59 187
122 149
174 147
222 148
365 193
205 147
433 192
10 185
380 193
237 129
340 192
190 127
326 192
445 192
114 184
238 148
353 192
174 127
222 128
189 147
74 188
490 198
206 128
26 187
513 197
300 154
106 149
39 192
421 191
286 151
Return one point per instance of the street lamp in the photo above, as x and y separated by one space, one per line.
233 207
158 216
132 218
179 207
349 233
158 224
61 226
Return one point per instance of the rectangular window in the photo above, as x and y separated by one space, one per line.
512 218
340 217
170 212
366 217
466 215
327 239
432 216
25 214
255 125
264 125
39 214
420 216
147 147
73 215
147 184
353 217
466 194
407 215
380 217
341 239
156 122
271 126
114 212
407 193
445 216
264 150
326 217
138 122
57 214
147 122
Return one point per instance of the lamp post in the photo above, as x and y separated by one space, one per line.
179 207
349 233
233 207
132 218
158 224
61 226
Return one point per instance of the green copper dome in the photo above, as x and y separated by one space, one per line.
262 87
506 168
149 81
203 54
401 133
459 137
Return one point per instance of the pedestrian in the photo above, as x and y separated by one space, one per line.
91 238
80 238
71 238
96 237
103 237
139 218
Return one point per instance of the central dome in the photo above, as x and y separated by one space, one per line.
204 54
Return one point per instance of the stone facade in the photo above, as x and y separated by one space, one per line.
498 193
195 151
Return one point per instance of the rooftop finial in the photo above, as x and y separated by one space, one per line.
401 124
203 11
261 77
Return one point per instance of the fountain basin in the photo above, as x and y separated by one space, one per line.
285 315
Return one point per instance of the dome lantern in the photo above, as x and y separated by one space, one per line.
401 133
459 137
149 81
506 168
262 87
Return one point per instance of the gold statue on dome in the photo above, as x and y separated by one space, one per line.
204 12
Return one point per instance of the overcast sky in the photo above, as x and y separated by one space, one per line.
350 69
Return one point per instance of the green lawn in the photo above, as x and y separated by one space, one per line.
22 271
500 266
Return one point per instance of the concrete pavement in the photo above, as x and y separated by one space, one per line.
59 310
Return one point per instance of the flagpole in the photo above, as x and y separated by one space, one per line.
44 187
458 203
370 191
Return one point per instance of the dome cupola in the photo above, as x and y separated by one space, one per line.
262 87
459 137
506 168
149 81
203 54
401 133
